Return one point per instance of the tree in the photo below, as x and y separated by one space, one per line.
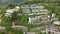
14 17
11 6
17 31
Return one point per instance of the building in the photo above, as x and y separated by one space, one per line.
10 11
57 22
37 14
26 10
51 29
35 10
38 19
53 15
35 19
45 19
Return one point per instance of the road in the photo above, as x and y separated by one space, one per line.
17 26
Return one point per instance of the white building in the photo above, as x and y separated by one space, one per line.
33 20
17 7
36 6
57 22
53 15
7 14
26 10
41 7
44 11
25 6
52 30
9 11
35 10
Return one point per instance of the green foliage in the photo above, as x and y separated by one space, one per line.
6 22
14 16
39 32
20 10
11 6
0 32
23 20
3 10
17 31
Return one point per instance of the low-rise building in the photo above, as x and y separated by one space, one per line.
10 11
57 22
53 15
51 29
33 8
33 20
34 11
38 19
26 10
